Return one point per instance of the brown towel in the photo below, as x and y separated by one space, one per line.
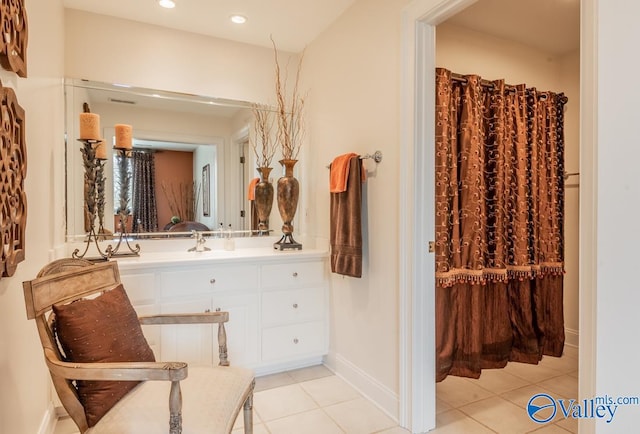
346 224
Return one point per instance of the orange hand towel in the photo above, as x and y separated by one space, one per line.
339 173
251 194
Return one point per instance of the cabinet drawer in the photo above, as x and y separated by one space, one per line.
297 340
292 275
200 280
295 305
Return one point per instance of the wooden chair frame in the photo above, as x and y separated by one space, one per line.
66 280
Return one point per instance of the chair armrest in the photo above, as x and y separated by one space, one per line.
117 371
186 318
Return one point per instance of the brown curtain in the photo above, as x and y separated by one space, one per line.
145 207
499 224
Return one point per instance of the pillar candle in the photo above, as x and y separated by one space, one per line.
89 126
123 136
101 151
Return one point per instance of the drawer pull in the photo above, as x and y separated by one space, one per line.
295 340
217 309
212 281
295 274
295 305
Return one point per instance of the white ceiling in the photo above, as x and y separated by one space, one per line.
293 23
550 25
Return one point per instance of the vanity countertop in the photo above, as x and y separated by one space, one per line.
218 256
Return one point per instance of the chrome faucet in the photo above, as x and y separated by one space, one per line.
200 240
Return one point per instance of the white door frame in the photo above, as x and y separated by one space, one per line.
417 279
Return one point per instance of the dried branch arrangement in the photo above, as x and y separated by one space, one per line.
290 121
183 199
262 136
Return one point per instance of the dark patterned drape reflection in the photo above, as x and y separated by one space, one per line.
499 224
145 208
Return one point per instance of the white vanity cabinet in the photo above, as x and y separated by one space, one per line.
277 304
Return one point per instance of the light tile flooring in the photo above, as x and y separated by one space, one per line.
497 401
314 401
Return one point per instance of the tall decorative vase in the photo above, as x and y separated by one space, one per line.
263 199
288 192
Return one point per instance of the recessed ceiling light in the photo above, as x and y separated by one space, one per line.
238 19
169 4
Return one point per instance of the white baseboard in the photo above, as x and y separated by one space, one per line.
379 394
48 424
287 366
571 337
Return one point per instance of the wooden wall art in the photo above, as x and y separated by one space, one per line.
13 170
13 42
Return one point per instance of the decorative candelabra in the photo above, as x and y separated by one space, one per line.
123 210
93 196
94 157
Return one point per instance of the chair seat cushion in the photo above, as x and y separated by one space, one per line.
211 399
101 329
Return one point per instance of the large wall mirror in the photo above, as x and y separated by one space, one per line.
200 144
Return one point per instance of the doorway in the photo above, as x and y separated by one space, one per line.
417 366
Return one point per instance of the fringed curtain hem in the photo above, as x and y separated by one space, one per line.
449 278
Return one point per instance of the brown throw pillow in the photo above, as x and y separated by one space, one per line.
103 329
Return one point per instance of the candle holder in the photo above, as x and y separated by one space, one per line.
123 210
93 196
94 201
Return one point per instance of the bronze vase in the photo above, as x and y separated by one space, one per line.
263 199
288 192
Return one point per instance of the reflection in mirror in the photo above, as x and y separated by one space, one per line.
193 144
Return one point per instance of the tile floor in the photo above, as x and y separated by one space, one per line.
314 401
496 402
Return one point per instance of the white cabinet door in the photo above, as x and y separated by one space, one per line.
242 328
191 343
140 288
198 343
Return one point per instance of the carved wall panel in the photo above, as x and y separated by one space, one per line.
13 39
13 170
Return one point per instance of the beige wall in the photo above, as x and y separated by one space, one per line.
24 381
113 50
353 73
469 52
